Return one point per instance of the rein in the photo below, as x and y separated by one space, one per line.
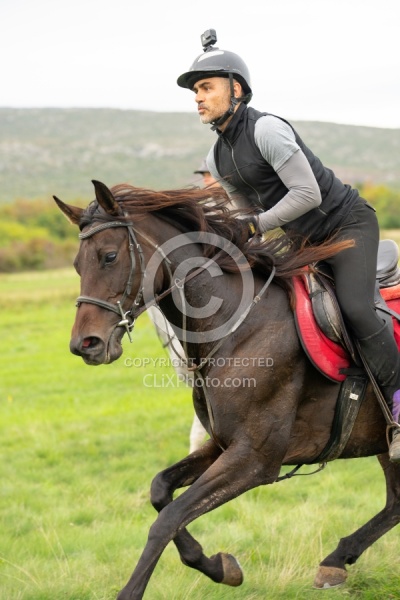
129 316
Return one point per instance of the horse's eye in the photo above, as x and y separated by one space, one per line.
110 257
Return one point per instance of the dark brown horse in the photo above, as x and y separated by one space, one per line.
234 325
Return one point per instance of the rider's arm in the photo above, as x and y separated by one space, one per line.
303 194
277 144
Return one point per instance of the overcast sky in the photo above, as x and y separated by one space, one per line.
326 60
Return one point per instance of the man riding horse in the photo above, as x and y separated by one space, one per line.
263 164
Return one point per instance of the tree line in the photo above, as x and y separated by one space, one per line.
34 235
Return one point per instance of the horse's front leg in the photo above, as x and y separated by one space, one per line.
221 568
234 472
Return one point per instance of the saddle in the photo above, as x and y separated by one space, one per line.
328 345
318 318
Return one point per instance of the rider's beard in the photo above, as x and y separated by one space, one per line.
214 112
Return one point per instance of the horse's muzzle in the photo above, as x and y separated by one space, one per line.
95 351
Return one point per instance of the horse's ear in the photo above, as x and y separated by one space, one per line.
73 213
105 198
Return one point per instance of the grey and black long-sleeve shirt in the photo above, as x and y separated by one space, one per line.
262 162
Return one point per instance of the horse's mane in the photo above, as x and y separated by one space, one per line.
208 210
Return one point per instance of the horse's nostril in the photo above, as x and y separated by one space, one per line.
90 342
88 345
91 348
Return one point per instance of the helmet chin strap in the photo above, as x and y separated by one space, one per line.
234 102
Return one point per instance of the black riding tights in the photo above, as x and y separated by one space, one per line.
354 271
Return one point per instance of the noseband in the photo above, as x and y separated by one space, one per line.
127 317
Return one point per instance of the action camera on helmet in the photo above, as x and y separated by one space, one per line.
208 38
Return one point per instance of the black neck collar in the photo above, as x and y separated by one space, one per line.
231 129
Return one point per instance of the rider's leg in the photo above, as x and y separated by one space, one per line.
355 279
381 354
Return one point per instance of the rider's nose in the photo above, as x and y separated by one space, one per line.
198 97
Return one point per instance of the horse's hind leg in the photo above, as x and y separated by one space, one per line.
332 570
221 568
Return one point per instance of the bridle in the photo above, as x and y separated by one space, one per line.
128 317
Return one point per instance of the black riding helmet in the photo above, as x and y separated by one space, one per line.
215 62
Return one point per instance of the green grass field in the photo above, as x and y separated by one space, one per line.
80 446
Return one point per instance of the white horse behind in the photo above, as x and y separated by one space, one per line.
172 344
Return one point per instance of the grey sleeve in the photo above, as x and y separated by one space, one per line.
275 139
303 193
212 167
237 200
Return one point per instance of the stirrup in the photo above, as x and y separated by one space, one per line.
394 446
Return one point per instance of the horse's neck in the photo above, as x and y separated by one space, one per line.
212 299
170 248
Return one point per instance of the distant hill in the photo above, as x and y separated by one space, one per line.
59 151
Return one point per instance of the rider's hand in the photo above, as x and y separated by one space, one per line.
252 225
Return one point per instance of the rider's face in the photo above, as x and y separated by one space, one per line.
212 97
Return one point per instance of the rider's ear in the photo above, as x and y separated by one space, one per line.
237 89
73 213
105 198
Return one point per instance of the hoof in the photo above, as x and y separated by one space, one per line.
233 574
329 577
